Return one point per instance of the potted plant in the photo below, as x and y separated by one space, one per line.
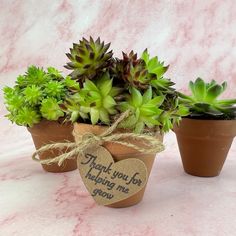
110 86
205 135
35 101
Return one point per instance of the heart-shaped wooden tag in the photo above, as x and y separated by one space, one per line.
108 181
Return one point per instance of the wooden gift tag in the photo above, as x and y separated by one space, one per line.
108 181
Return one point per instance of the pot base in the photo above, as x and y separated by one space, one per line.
67 166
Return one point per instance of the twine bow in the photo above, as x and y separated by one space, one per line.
151 145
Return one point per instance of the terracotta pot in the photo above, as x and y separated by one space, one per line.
52 131
204 145
120 152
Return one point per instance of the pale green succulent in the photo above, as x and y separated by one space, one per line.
144 110
154 66
72 107
100 102
204 101
50 109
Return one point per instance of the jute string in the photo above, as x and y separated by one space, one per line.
151 145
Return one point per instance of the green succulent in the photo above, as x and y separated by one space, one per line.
50 109
72 107
27 116
100 102
71 84
38 94
144 108
33 94
94 103
88 59
154 66
55 89
204 102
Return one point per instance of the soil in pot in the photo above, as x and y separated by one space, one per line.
53 131
204 145
120 152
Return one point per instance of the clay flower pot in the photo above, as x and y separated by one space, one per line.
52 131
120 152
204 145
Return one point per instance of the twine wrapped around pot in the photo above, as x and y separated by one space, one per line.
151 145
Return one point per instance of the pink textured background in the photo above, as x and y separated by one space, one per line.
196 37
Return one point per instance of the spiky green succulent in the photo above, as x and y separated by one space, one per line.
95 102
204 100
154 66
38 94
73 107
144 109
88 59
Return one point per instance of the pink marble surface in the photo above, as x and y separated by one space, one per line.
198 38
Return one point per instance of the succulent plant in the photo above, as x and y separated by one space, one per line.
154 66
38 94
88 59
95 102
133 71
204 102
147 111
144 110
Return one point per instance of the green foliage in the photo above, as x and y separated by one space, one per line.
204 102
36 95
110 86
99 88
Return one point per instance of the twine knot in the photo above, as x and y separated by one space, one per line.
87 138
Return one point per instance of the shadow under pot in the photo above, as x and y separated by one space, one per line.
47 132
204 145
120 152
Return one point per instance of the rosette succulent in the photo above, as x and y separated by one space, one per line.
144 108
95 101
36 95
204 101
88 59
133 71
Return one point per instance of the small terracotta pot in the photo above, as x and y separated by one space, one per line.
204 145
47 132
120 152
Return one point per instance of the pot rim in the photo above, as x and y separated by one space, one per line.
210 120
